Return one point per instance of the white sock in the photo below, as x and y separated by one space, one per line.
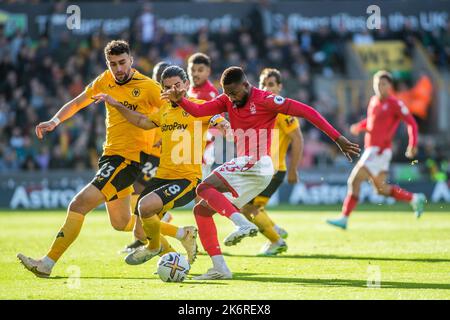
166 217
48 262
219 263
180 233
239 219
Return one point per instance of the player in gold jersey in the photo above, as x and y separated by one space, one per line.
287 132
187 235
180 169
122 150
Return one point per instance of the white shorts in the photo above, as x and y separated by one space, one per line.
245 179
374 161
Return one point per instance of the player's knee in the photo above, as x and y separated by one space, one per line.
119 224
78 205
200 188
148 207
383 190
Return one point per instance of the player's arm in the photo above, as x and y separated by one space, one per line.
358 127
412 128
66 112
297 154
298 109
209 108
136 118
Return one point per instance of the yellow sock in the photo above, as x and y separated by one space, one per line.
133 202
166 247
168 229
67 235
152 228
264 213
130 225
265 227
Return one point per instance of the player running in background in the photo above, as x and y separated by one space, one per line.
384 114
120 162
252 114
199 70
179 171
288 133
186 235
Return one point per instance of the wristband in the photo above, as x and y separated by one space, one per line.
56 120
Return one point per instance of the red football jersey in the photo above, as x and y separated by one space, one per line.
205 92
253 123
383 118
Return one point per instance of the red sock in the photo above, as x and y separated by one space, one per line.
216 200
207 230
401 194
349 204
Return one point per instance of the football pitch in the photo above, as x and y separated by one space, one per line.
385 254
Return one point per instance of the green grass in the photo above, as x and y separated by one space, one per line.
321 263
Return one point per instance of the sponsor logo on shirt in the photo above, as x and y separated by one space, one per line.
174 126
129 105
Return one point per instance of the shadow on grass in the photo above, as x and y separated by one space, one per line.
338 257
341 282
188 281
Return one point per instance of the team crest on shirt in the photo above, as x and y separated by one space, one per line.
252 108
279 100
212 94
385 106
136 92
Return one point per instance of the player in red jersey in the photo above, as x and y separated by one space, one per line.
252 113
384 114
199 70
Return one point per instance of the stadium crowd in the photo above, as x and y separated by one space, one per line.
40 75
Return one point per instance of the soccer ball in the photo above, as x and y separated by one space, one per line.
173 267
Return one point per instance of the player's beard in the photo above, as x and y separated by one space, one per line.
241 102
125 77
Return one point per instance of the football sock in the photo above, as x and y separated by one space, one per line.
180 234
166 247
219 263
265 227
130 225
400 194
349 204
262 211
66 235
239 219
207 230
216 200
152 228
168 229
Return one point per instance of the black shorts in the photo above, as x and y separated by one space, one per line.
173 193
274 184
149 165
115 176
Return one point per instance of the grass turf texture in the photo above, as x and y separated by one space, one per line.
322 262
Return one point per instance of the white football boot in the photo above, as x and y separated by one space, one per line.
246 230
214 274
38 267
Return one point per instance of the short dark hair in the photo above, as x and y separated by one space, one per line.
200 58
384 74
174 71
117 47
158 69
232 75
269 72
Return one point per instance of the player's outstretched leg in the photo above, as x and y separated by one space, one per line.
85 201
208 236
149 207
219 203
357 176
